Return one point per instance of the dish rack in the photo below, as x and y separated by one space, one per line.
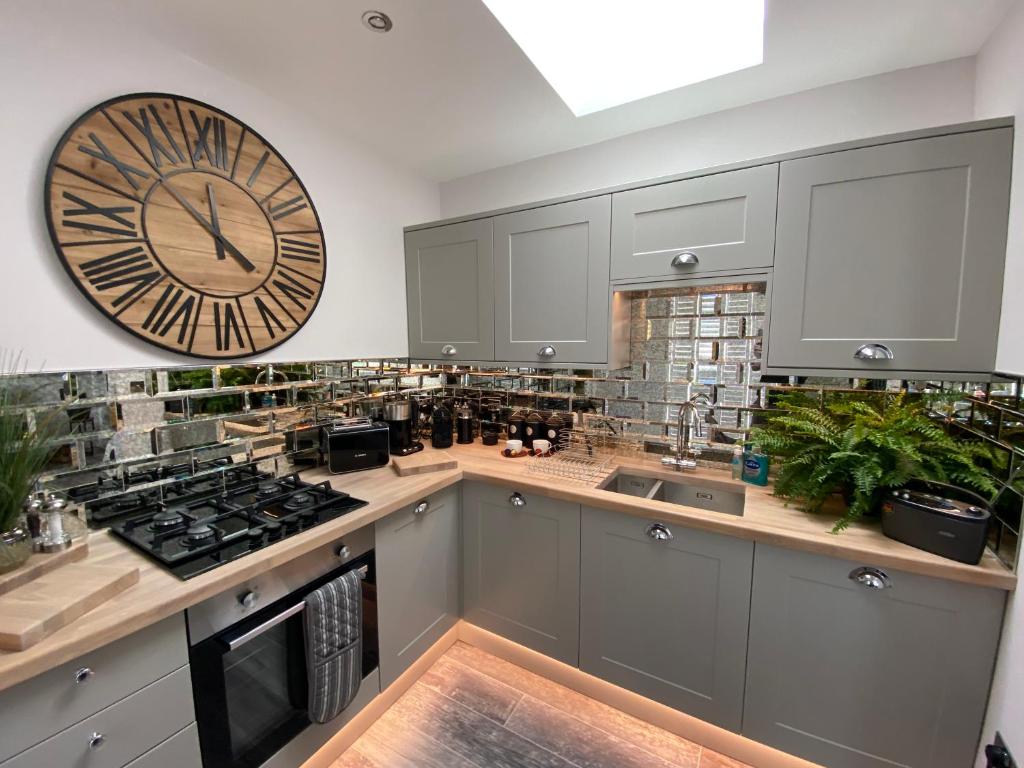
585 455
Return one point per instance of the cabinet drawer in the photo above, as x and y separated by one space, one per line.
120 733
725 221
54 700
179 751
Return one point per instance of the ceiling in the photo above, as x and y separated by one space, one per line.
448 93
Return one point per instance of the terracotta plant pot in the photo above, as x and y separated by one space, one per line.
15 549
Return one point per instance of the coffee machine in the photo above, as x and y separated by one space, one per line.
401 428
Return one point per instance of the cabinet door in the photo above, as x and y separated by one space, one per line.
521 560
900 245
551 283
725 221
417 580
666 618
449 280
853 677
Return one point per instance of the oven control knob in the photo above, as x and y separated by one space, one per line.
344 552
248 599
273 530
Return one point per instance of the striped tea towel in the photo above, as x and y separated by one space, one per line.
334 649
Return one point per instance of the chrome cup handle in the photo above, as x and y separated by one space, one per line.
547 352
659 532
871 578
448 350
517 500
685 259
873 352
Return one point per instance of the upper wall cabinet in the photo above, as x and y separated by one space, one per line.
449 278
721 222
552 298
889 259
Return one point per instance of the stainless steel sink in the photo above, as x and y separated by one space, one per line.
702 494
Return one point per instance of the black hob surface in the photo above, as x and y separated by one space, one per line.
195 535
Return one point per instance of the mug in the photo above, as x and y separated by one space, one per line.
542 446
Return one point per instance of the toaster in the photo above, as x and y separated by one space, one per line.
350 445
938 518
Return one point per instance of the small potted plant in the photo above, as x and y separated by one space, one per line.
864 445
24 454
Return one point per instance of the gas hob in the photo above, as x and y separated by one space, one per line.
199 533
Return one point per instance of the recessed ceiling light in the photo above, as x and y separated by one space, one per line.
598 54
377 21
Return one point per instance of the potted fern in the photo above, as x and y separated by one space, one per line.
24 453
864 446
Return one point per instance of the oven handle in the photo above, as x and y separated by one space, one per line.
239 640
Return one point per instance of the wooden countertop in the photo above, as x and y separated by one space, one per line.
766 519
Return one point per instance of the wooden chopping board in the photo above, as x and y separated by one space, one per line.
36 610
41 563
422 462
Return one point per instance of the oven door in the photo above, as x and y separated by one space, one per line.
249 681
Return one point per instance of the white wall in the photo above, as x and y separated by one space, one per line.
58 58
936 94
1000 91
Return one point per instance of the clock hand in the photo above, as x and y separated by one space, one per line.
247 265
215 222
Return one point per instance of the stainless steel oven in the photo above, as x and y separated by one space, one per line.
247 653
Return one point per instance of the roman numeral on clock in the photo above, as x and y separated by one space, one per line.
294 249
296 291
286 208
160 320
100 152
216 156
269 318
111 215
129 268
156 147
225 326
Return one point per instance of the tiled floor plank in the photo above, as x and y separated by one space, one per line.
469 734
669 747
478 691
474 710
391 742
578 742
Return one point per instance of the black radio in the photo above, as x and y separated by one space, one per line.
354 444
938 518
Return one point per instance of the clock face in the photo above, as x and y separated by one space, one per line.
185 226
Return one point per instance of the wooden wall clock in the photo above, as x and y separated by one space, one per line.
185 226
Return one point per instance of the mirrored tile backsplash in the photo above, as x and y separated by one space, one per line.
130 431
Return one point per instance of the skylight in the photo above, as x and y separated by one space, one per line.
598 54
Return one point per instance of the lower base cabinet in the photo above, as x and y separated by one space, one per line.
521 567
417 580
663 612
855 668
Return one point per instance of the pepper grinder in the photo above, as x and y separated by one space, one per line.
464 426
55 538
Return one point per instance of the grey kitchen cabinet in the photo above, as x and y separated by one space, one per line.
120 733
849 673
521 560
664 611
69 693
449 280
418 579
714 223
552 298
890 258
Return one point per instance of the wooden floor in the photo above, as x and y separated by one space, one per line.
473 710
